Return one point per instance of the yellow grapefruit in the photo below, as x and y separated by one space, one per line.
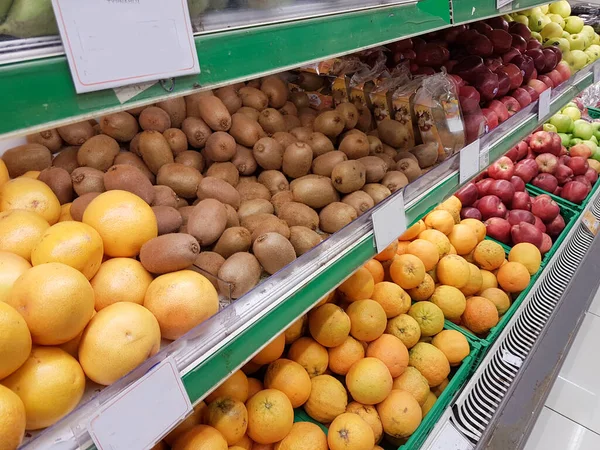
12 266
30 195
20 231
12 417
15 340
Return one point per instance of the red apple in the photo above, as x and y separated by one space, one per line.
564 159
533 43
467 194
539 61
525 63
487 84
498 23
558 191
519 42
546 80
522 96
522 148
510 54
518 183
547 162
526 170
516 216
450 34
526 232
503 83
546 244
545 208
557 51
491 206
481 27
475 124
532 92
555 227
499 229
514 73
583 179
500 109
578 165
468 212
538 85
521 200
544 142
469 99
502 189
539 224
501 40
563 173
512 105
480 46
564 70
520 29
483 186
556 77
491 117
493 63
591 175
468 67
575 191
431 55
580 150
545 181
502 169
513 154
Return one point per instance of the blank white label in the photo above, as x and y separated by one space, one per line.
503 3
449 438
469 161
112 43
126 93
389 222
140 415
544 104
511 359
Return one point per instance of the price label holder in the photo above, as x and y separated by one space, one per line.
389 222
450 438
143 412
590 221
112 43
502 3
544 104
596 72
469 161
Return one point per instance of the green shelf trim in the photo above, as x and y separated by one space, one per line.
468 11
40 94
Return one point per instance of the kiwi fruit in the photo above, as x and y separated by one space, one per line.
284 138
336 216
291 122
169 253
360 201
268 153
98 152
349 176
310 176
220 147
244 130
390 151
191 158
176 109
48 138
134 145
426 154
226 171
408 167
120 126
273 251
299 99
252 190
87 179
129 178
320 144
154 118
324 164
365 120
232 218
184 211
254 98
271 224
388 160
298 214
393 133
355 145
164 196
244 160
214 113
182 179
303 239
208 264
274 181
330 123
315 193
233 240
302 134
394 180
349 114
137 111
252 222
191 103
182 202
211 187
280 198
196 131
59 180
76 133
155 150
207 221
404 154
26 157
271 121
247 179
297 159
375 145
289 109
134 160
251 113
375 167
168 219
80 204
177 140
276 91
238 274
255 206
67 159
307 117
230 97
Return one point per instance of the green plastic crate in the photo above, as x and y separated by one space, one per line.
562 201
594 113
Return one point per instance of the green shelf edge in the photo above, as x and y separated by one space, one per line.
465 11
39 94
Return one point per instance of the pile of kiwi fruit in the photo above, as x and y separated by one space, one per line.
243 180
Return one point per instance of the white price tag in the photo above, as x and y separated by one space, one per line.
596 72
503 3
111 43
544 104
143 412
511 359
449 438
389 222
126 93
469 161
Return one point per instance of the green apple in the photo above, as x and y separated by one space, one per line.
531 11
576 42
544 9
538 21
565 138
573 24
576 59
559 42
592 56
596 40
521 19
562 122
583 129
596 127
508 18
565 34
594 139
575 141
596 154
594 48
557 18
549 127
593 147
589 32
571 105
551 30
573 112
537 36
562 8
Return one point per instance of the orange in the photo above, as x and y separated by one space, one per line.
304 436
328 399
405 328
12 266
513 277
20 230
120 280
125 222
349 432
30 195
488 280
12 412
376 270
4 176
426 251
392 298
440 220
228 416
414 382
309 354
528 255
254 385
295 330
65 213
439 239
407 271
400 414
488 255
198 416
50 385
463 239
475 282
424 290
391 351
180 301
430 361
243 444
201 437
33 174
249 368
272 351
328 298
343 356
480 315
429 402
429 316
367 320
369 414
329 325
450 300
413 231
453 270
358 286
477 226
72 243
15 340
55 300
437 390
498 297
453 206
402 247
270 416
388 252
236 386
290 378
369 381
453 344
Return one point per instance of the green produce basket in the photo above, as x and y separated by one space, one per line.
562 201
594 113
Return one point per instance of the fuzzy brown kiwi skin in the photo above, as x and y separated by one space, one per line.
232 218
208 264
230 97
291 122
154 118
289 109
330 123
241 271
276 91
252 190
177 140
191 158
410 168
214 113
268 153
24 158
302 134
59 180
284 138
87 179
307 117
80 204
355 146
255 206
176 109
182 179
360 201
164 195
120 126
244 160
349 114
271 121
250 113
233 240
315 193
320 144
303 239
273 251
191 103
335 216
349 176
299 99
220 146
168 219
226 171
254 98
196 131
98 152
426 154
274 181
324 164
375 145
155 150
66 159
375 168
129 178
298 214
297 160
394 180
216 188
169 253
131 159
245 131
280 198
207 221
48 138
77 133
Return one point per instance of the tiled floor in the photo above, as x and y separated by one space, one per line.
571 417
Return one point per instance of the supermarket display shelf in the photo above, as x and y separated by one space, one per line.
464 11
500 404
225 342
